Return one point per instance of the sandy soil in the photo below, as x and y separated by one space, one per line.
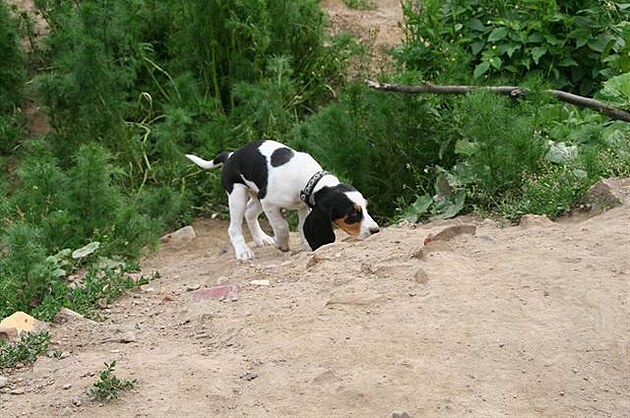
529 320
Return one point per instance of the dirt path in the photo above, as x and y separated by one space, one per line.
514 321
523 321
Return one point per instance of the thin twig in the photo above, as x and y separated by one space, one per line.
512 91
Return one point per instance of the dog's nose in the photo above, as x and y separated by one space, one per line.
374 229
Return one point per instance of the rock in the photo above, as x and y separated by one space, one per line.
127 337
3 381
532 221
400 414
20 321
18 391
181 236
192 287
67 315
316 258
451 232
431 247
606 194
67 386
421 276
9 334
261 283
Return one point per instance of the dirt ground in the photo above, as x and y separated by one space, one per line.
529 320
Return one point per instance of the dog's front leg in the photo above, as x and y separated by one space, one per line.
238 202
279 225
302 214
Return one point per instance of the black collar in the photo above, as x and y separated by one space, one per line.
305 194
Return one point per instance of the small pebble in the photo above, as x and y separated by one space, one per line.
67 386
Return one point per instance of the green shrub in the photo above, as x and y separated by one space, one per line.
24 351
573 45
12 64
497 143
24 276
100 284
109 386
384 144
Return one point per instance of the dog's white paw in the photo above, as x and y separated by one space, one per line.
263 240
244 253
282 245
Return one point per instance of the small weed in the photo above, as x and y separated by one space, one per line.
109 386
360 4
24 351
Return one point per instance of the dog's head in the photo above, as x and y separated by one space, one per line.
342 205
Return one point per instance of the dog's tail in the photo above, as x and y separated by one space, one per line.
205 164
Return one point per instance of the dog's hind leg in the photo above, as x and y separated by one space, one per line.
252 212
238 203
279 225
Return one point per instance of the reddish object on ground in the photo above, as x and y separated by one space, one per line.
223 292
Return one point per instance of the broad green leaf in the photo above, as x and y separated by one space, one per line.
497 34
538 52
466 147
86 250
422 203
481 69
496 62
511 49
476 25
447 208
534 37
419 207
568 62
476 47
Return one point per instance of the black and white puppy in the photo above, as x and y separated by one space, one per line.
268 176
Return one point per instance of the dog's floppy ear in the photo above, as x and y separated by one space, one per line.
318 229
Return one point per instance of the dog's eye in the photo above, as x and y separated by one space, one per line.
354 217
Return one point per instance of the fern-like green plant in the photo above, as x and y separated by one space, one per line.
109 386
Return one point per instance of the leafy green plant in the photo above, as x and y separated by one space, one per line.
99 285
574 45
617 91
447 202
382 144
497 144
12 65
25 350
109 386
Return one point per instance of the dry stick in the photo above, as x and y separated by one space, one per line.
512 91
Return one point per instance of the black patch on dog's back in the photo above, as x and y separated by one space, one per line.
246 162
281 156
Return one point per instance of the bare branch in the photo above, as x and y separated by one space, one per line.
512 91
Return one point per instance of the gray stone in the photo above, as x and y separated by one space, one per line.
181 236
606 194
